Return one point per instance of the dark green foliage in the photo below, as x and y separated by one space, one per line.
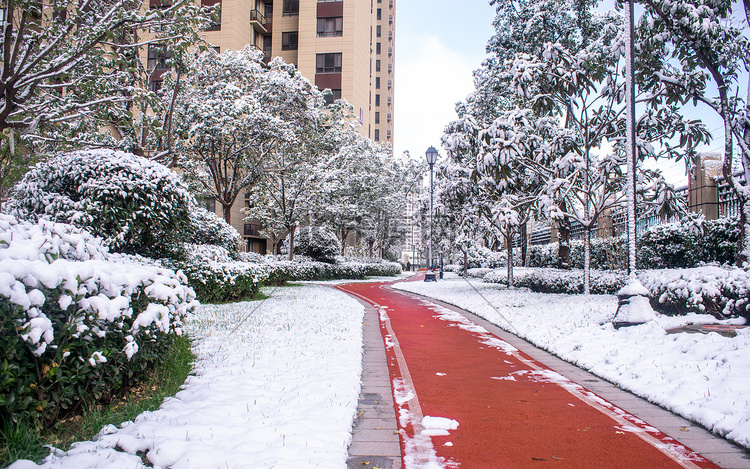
138 206
58 382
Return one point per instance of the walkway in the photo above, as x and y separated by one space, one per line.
467 398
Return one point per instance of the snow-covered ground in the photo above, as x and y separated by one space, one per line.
702 377
276 384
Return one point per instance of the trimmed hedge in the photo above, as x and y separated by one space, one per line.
77 324
720 291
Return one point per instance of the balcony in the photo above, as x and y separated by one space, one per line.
259 22
390 51
390 19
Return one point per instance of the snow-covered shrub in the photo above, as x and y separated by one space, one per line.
209 228
251 257
136 205
548 280
77 322
721 291
281 270
315 242
216 276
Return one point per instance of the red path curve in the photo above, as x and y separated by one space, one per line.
512 411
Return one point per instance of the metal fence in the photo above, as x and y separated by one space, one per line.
728 203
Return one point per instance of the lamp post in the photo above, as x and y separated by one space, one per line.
431 156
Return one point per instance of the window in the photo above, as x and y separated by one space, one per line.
217 49
157 57
377 135
377 83
328 63
379 31
155 85
377 100
290 8
268 11
330 27
377 48
377 118
380 14
289 41
335 95
377 65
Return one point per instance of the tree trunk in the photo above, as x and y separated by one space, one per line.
563 235
226 210
587 262
292 229
466 263
509 247
524 243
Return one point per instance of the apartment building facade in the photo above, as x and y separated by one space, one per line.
346 46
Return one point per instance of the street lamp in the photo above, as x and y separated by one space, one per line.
431 156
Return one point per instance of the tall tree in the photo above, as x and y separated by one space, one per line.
69 64
689 45
227 124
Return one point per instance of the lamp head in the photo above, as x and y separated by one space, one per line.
431 155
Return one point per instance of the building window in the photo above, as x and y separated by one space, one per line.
330 27
377 83
268 11
377 65
333 96
377 48
380 14
289 40
155 85
377 135
377 100
379 31
157 57
377 117
290 8
217 49
328 63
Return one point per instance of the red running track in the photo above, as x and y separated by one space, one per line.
512 411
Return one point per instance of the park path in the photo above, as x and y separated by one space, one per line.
488 405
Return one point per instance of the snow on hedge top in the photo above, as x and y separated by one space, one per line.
46 241
126 199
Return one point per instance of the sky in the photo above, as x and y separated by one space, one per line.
438 46
439 43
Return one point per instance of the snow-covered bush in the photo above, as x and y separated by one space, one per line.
547 280
216 276
721 291
136 205
315 242
281 270
209 228
76 322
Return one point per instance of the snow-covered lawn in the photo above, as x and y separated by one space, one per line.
276 384
704 378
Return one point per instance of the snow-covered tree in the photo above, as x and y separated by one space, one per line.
691 46
230 118
73 68
293 168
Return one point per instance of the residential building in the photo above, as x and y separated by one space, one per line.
346 46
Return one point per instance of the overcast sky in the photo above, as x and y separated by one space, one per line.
439 43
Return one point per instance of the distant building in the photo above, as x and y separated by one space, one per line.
346 46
